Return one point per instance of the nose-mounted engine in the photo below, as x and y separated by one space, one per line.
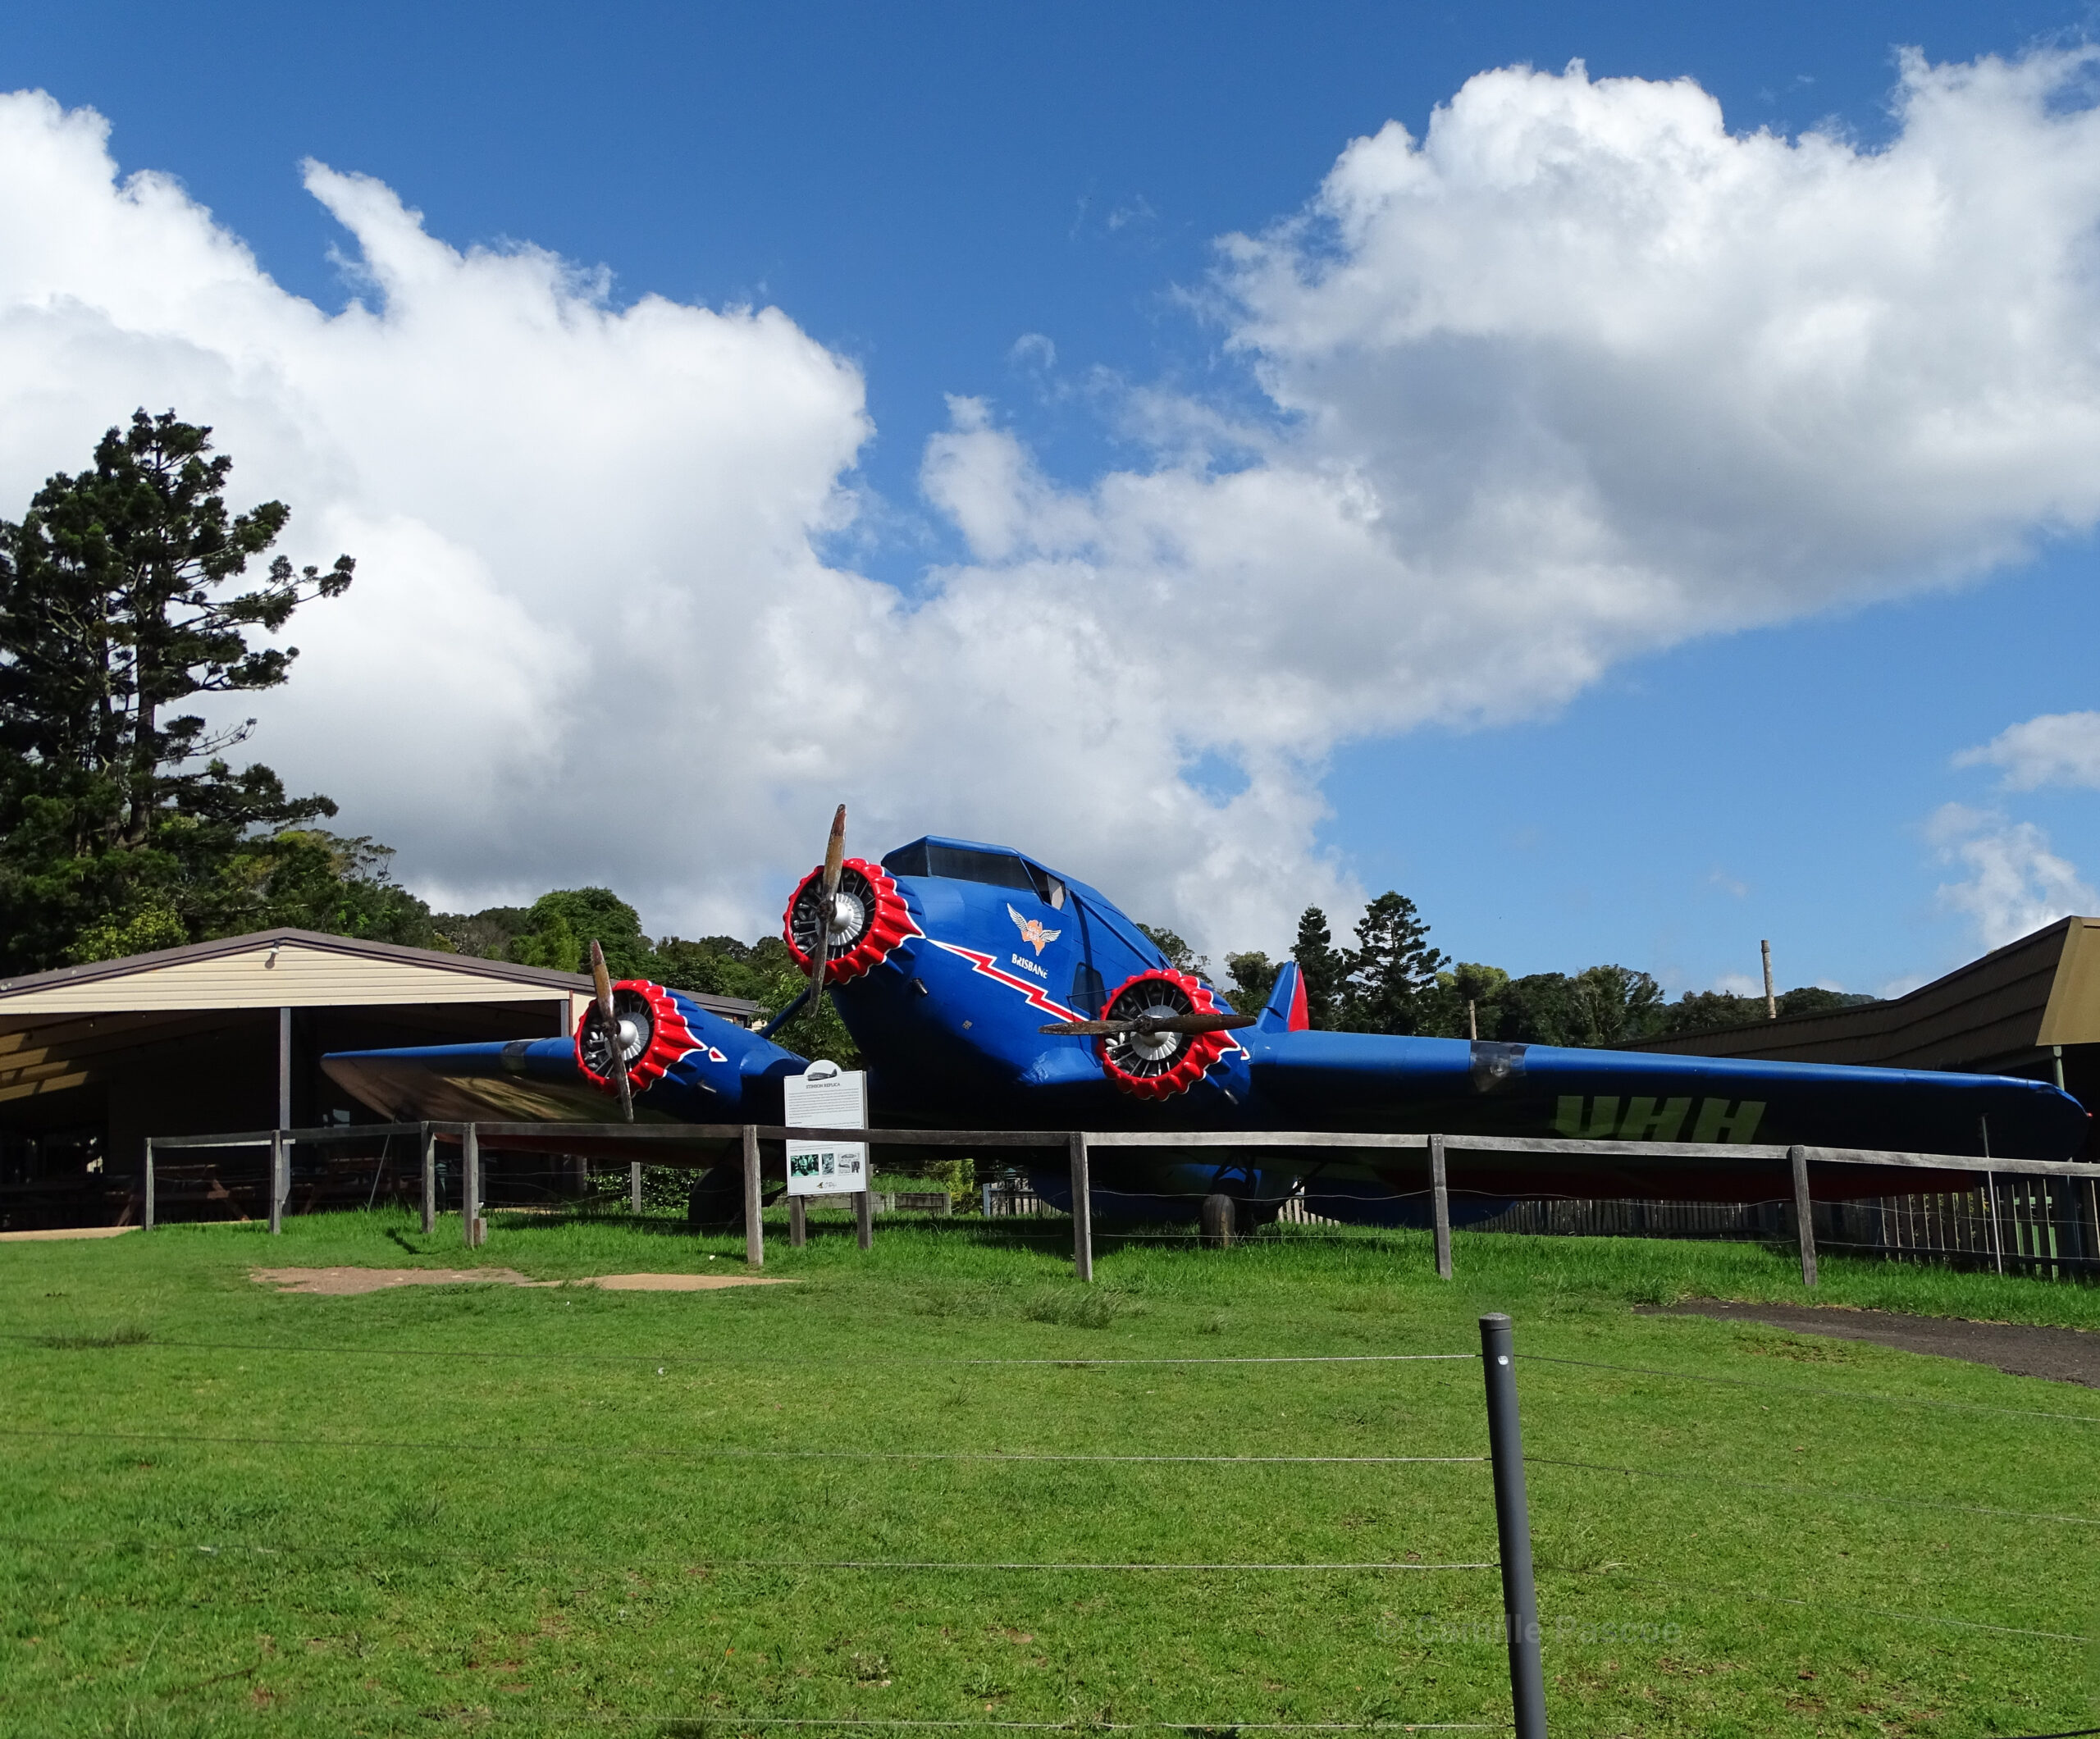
868 918
1149 1063
652 1036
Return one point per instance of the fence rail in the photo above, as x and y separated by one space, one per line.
2044 1218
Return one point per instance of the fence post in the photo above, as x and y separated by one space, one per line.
1512 1527
1440 1195
430 1179
470 1185
634 1187
798 1223
753 1227
1804 1214
276 1182
864 1212
150 1183
1082 1210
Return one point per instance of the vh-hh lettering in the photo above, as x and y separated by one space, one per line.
1600 1119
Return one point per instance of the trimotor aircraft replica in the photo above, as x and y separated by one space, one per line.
990 991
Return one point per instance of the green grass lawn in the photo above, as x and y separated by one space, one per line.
563 1509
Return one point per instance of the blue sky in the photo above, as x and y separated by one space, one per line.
1022 207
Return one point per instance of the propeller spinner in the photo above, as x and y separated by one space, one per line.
1159 1033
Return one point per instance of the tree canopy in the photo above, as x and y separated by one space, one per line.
1394 982
122 824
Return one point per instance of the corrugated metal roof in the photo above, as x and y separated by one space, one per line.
294 968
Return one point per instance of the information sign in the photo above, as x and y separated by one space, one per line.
827 1098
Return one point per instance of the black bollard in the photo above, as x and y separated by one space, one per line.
1512 1527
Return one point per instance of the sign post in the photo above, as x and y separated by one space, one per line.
829 1098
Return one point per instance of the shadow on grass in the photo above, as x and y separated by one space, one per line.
131 1335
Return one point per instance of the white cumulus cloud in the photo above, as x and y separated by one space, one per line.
2015 884
1577 375
1581 373
2051 749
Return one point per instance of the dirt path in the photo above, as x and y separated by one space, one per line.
679 1282
346 1283
2064 1355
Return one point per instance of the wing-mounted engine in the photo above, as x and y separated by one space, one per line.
868 920
1149 1060
653 1035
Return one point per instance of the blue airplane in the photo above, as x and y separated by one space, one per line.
987 990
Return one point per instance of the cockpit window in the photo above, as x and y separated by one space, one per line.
908 860
961 864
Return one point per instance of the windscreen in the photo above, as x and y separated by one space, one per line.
962 863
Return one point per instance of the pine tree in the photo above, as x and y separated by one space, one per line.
1323 967
1393 969
122 820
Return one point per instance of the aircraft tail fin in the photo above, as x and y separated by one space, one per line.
1285 1009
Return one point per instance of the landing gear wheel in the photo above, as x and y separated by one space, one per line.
1219 1216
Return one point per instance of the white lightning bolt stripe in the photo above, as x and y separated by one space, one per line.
1036 994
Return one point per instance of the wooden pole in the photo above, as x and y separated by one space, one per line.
430 1179
470 1185
753 1227
863 1214
1439 1196
634 1187
1804 1213
1991 1190
150 1183
276 1181
798 1222
1082 1210
1771 1002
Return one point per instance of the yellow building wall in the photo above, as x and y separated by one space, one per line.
2073 1014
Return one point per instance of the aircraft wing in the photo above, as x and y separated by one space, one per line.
690 1066
1364 1081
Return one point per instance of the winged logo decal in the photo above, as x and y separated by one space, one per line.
1032 931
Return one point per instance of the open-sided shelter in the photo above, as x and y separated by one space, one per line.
227 1035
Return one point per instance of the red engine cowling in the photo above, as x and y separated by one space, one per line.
872 919
1157 1065
661 1036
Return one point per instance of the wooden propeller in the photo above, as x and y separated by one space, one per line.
602 981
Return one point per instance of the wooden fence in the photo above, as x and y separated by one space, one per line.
2037 1215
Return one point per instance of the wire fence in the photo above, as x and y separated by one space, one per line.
2047 1228
2039 1219
1543 1453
